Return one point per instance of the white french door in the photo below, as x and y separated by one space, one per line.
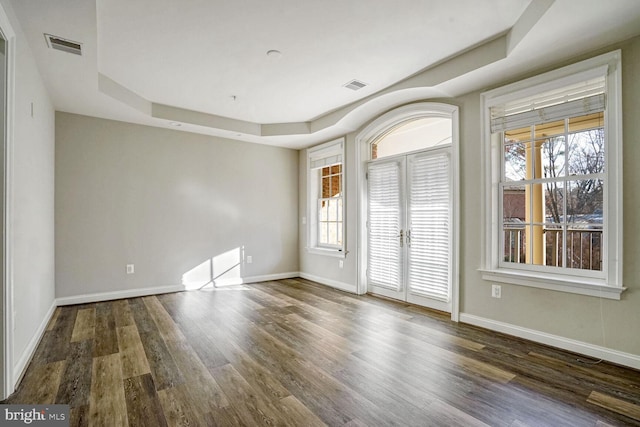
409 228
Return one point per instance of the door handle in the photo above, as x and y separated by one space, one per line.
409 238
401 236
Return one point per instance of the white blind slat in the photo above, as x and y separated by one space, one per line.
429 213
326 161
384 216
579 107
577 99
328 154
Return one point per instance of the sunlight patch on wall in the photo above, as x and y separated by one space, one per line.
224 269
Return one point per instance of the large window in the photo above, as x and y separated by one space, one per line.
326 198
554 145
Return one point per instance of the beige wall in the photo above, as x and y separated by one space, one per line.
32 203
167 202
564 315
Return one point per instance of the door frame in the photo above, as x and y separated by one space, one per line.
364 139
7 379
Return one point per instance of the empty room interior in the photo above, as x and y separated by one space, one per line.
306 213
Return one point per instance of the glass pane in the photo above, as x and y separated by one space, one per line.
336 185
515 163
537 208
336 169
333 210
586 152
586 122
584 203
537 244
414 135
514 243
513 204
552 157
554 201
340 209
553 244
326 187
518 135
549 130
333 233
584 248
323 233
324 210
339 225
326 171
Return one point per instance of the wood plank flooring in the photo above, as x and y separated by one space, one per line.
294 353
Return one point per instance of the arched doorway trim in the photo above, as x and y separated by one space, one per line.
372 132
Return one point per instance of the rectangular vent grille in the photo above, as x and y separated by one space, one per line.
355 85
58 43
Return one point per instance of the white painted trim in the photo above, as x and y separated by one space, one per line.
7 379
28 353
140 292
609 64
127 293
572 285
270 277
329 282
376 128
335 145
328 252
250 279
599 352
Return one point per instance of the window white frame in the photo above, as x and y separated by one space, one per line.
608 283
329 153
8 376
370 135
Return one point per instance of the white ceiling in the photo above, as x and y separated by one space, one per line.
160 61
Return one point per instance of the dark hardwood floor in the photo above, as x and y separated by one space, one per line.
299 354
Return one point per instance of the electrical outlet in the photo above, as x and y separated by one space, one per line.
341 263
130 269
249 259
496 291
304 220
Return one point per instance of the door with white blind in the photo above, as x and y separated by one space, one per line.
409 228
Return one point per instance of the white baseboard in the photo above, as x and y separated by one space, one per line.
23 361
107 296
256 279
191 286
599 352
329 282
140 292
270 277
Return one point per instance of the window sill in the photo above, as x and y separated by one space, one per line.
573 285
328 252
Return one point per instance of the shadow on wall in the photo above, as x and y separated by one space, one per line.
221 270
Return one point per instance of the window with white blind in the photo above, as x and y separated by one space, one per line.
326 198
554 146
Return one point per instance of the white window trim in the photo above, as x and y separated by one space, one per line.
10 374
363 142
312 224
610 284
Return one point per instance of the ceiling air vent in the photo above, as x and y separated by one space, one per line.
58 43
355 85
